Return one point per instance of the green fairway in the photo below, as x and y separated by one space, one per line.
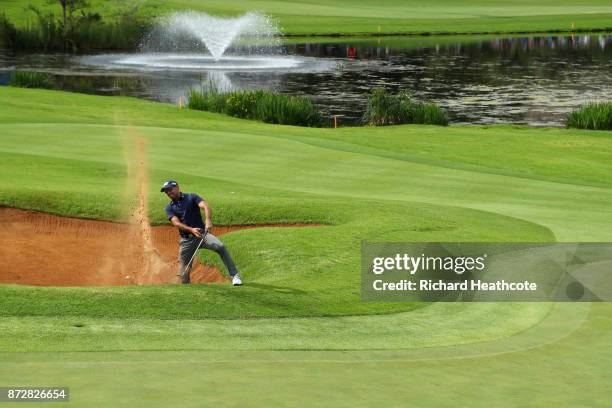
388 16
297 333
533 368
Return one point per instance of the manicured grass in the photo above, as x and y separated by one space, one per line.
573 338
214 344
435 326
386 16
303 272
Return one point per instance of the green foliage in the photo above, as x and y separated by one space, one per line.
210 100
78 32
593 116
384 108
31 79
269 107
8 31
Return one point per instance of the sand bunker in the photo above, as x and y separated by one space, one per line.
42 249
47 250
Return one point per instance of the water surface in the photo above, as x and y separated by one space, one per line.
533 80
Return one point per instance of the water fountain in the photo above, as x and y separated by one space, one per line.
197 42
191 30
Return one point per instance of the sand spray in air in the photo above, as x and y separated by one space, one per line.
147 266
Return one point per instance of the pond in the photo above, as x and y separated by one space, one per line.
532 80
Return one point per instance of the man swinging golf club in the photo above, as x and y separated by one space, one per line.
184 213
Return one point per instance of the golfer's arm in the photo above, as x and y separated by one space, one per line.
207 211
178 224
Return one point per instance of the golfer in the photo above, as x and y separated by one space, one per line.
184 213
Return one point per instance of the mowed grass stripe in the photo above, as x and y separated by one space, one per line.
388 16
236 158
339 377
570 156
471 330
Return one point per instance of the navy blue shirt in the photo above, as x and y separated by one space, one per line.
187 210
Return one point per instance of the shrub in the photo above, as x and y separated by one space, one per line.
242 104
84 32
31 79
384 108
8 32
269 107
594 116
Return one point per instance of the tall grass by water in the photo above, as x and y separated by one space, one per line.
384 108
31 79
269 107
593 116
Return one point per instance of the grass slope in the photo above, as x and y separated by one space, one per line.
212 344
386 16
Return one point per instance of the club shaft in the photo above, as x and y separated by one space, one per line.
196 251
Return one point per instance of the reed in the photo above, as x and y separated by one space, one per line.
31 79
384 108
593 116
266 106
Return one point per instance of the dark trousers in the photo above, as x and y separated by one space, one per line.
187 248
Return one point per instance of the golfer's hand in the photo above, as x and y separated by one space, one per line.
209 225
196 232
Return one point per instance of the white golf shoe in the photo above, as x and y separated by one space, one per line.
236 281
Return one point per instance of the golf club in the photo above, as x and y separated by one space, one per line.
196 251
